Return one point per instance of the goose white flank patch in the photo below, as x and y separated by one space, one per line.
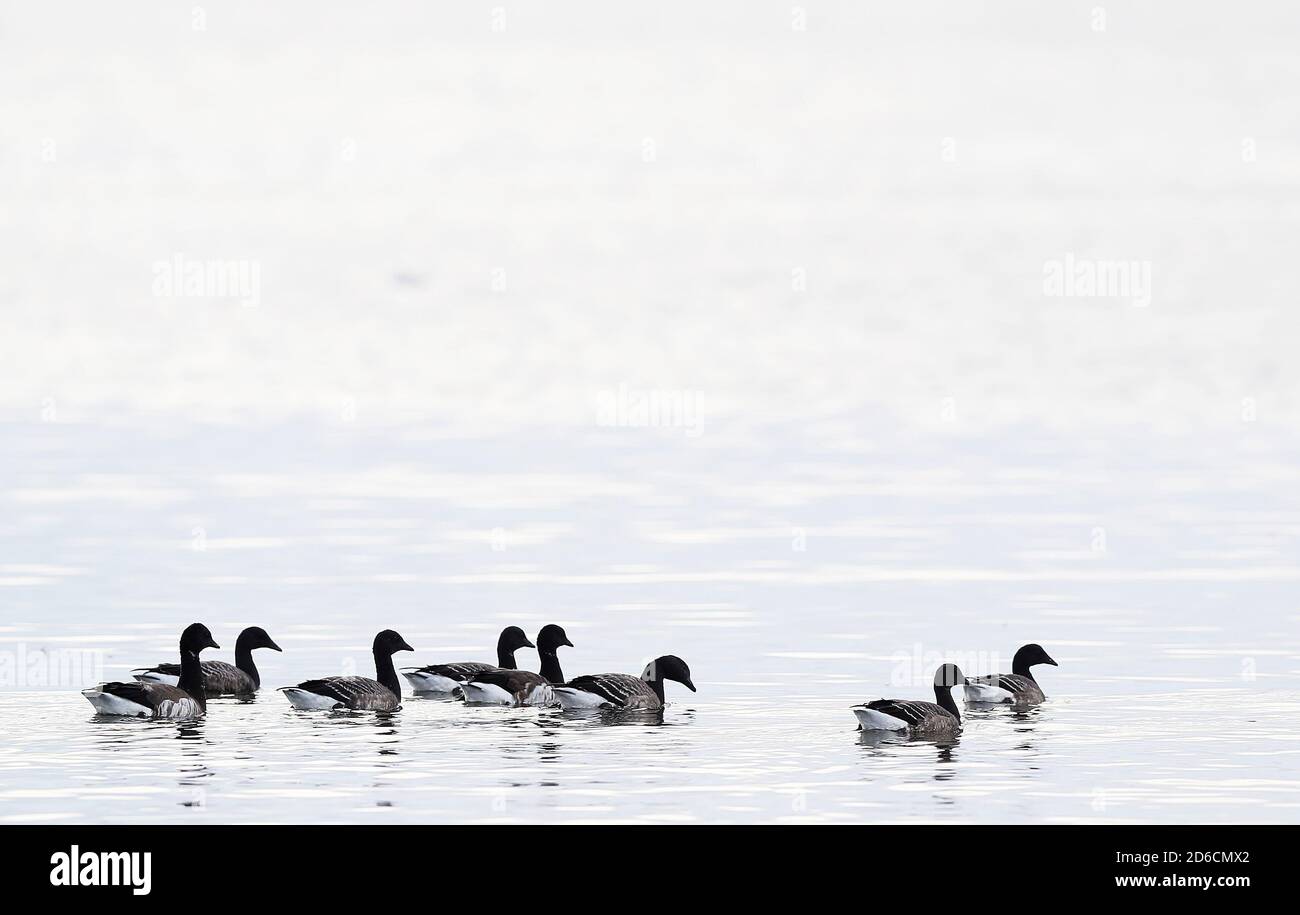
1019 686
220 678
624 691
383 694
160 700
447 678
522 687
921 718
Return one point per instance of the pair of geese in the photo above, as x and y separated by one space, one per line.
941 717
181 690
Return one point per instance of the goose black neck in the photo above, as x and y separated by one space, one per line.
505 658
1021 669
244 660
386 674
551 667
657 684
943 695
192 677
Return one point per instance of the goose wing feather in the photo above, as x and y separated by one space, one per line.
458 670
621 690
223 679
170 670
916 714
1012 683
359 693
512 681
165 701
219 677
921 716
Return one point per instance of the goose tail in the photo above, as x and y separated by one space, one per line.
571 698
305 699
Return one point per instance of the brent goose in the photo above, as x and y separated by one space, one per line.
160 700
624 691
220 678
1019 686
522 687
357 693
447 678
916 717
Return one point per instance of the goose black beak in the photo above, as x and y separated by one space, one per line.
212 644
528 644
274 647
1053 663
567 642
689 685
404 646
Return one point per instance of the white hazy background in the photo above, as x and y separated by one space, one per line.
821 232
641 183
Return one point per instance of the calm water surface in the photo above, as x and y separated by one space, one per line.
793 583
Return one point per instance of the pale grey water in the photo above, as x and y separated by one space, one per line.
1174 700
474 234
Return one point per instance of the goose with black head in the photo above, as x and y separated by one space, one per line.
160 700
448 678
937 718
219 678
357 693
522 687
1019 686
624 691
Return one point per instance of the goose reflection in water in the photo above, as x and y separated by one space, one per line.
1026 725
946 753
357 718
1025 720
125 733
190 730
643 717
388 728
385 727
193 776
548 753
881 741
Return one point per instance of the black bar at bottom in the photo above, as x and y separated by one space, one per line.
623 863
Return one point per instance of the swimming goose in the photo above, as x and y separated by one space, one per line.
447 678
357 693
1019 686
522 687
159 700
220 678
923 718
624 691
